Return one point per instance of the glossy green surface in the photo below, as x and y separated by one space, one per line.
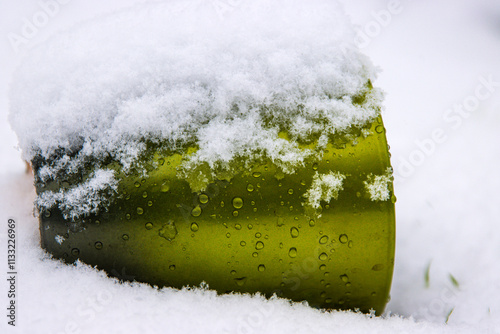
250 234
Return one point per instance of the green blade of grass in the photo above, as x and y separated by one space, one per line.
454 281
427 276
448 316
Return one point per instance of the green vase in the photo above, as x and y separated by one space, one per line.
259 230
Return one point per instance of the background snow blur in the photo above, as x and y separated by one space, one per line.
442 77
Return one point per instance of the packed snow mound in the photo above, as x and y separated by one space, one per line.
178 74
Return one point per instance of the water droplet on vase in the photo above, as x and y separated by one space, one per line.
168 231
292 252
344 278
250 187
194 227
323 256
196 212
343 238
237 202
393 199
98 245
259 245
290 191
125 237
240 281
203 199
261 268
75 251
323 240
378 267
140 210
294 232
149 226
172 267
165 187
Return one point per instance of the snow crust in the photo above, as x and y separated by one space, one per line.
180 74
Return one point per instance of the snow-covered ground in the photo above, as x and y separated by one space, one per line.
442 78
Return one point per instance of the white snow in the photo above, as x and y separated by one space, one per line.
377 186
324 187
59 239
86 197
432 54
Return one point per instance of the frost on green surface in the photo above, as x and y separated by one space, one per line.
59 239
378 186
324 187
86 197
